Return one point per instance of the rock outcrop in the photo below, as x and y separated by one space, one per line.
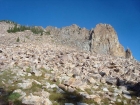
105 41
72 36
128 54
102 39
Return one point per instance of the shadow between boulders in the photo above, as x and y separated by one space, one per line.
130 86
4 98
66 97
69 97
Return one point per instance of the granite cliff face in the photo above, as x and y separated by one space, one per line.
105 41
102 39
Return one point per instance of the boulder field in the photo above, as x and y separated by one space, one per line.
51 69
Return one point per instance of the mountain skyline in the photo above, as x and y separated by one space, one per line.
122 15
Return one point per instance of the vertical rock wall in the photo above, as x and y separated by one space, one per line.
105 41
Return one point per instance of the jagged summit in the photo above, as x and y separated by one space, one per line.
105 41
100 40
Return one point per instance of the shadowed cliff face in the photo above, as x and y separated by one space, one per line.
102 39
105 41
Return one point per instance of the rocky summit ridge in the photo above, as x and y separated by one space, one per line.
66 66
101 40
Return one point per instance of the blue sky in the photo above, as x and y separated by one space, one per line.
123 15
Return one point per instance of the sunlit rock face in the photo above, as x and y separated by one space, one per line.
105 41
102 39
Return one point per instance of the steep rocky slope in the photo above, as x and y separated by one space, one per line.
38 70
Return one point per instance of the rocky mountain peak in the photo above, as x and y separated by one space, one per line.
75 26
104 29
102 39
105 41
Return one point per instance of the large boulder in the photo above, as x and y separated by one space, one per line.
43 99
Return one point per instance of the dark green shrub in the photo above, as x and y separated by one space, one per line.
14 96
19 28
8 21
18 39
48 33
36 30
41 34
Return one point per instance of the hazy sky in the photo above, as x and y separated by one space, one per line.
123 15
